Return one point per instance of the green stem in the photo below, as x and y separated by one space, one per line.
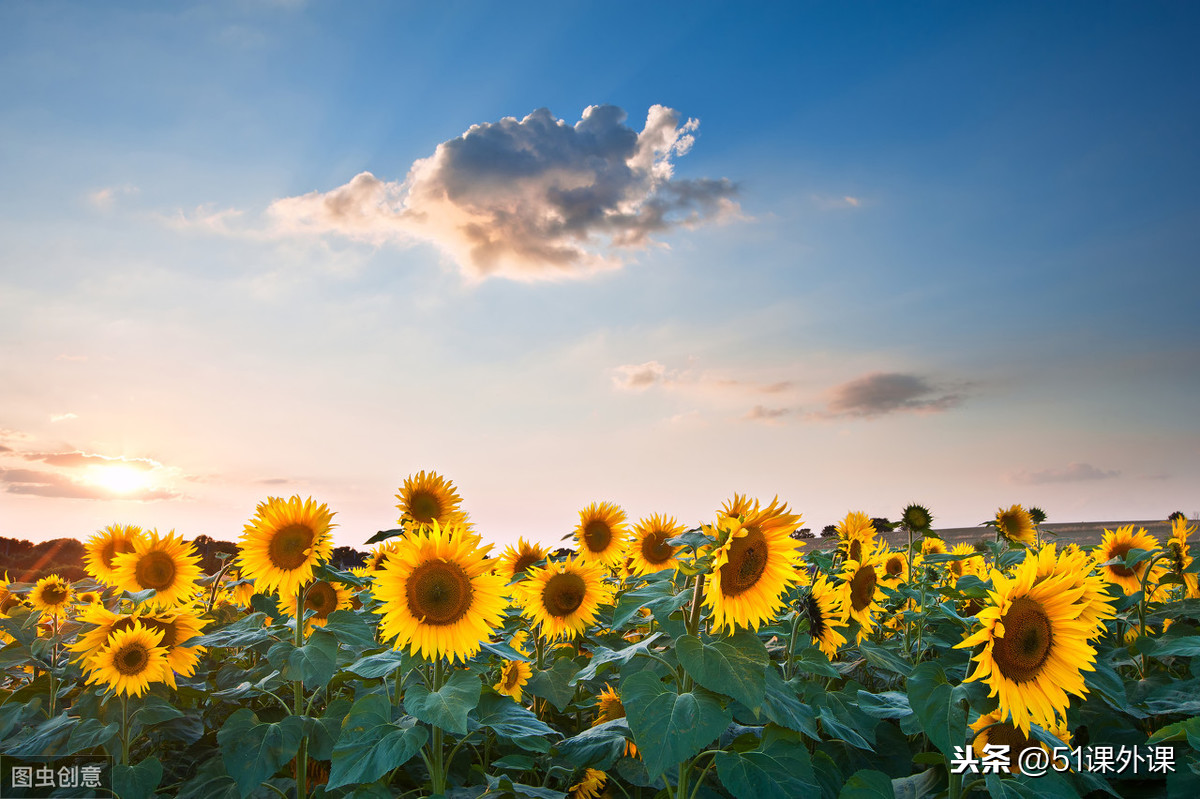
693 625
438 775
273 788
124 729
298 704
956 786
53 666
787 668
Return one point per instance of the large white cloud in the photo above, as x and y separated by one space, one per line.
534 198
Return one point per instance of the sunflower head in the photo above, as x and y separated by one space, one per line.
321 598
893 567
916 518
516 560
563 597
103 547
992 729
131 660
861 592
971 563
1016 525
426 498
1036 515
601 533
440 597
650 551
741 505
51 596
933 546
164 563
284 542
513 676
823 607
1116 544
591 786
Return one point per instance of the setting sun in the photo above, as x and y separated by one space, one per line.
119 478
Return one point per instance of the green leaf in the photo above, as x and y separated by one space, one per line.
253 751
917 785
515 723
315 662
659 597
735 666
813 661
506 651
1185 646
669 727
384 535
244 632
42 740
448 706
350 630
555 683
90 733
779 767
881 658
597 747
382 664
154 710
868 784
368 749
999 788
932 699
782 706
324 731
692 538
137 781
1179 731
604 656
888 705
839 730
504 786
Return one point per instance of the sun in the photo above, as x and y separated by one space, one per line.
119 478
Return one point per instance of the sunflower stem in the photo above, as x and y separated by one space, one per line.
53 665
787 668
438 774
124 729
298 703
693 626
908 620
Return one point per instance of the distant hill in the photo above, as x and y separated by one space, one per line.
1085 534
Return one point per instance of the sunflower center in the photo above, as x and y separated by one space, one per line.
855 549
512 676
563 594
655 548
131 659
54 594
597 535
424 507
816 619
894 566
524 562
439 592
747 561
289 547
320 597
167 628
956 566
1007 735
1120 551
862 587
8 602
106 553
156 570
1027 640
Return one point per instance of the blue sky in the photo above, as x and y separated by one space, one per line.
940 253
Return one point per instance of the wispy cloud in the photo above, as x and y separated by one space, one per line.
837 202
528 199
105 198
1071 473
638 377
882 393
63 417
761 413
54 484
78 459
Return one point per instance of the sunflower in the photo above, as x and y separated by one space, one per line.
1079 570
823 608
519 642
89 598
610 708
440 598
1117 545
132 659
513 676
176 627
740 505
933 546
516 560
51 596
1179 554
164 563
322 598
857 533
8 600
992 729
1016 524
893 567
563 597
590 786
601 533
861 593
105 545
1034 645
428 498
284 542
755 562
916 518
650 551
971 563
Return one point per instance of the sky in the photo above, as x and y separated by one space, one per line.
853 255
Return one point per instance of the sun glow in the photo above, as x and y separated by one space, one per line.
119 478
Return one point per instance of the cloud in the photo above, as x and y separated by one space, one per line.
105 198
79 459
528 199
208 219
53 484
63 417
760 413
881 393
65 357
638 377
1071 473
5 449
837 203
275 481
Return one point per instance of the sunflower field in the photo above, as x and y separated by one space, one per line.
651 660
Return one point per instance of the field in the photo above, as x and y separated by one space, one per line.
651 661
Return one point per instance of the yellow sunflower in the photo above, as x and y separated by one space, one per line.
164 563
740 505
105 545
971 564
861 593
933 546
856 533
132 659
322 598
51 596
991 728
826 613
650 551
1079 571
601 533
1034 645
1117 545
426 498
893 567
563 597
1016 524
176 627
754 563
8 600
513 676
590 786
1179 554
516 560
440 598
284 542
610 708
89 598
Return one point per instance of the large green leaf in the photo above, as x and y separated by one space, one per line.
782 706
555 683
779 767
244 632
735 666
868 784
382 664
90 733
448 706
659 597
934 701
605 657
1186 646
44 739
670 727
366 751
884 659
253 751
597 747
351 630
137 781
516 723
315 662
888 705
